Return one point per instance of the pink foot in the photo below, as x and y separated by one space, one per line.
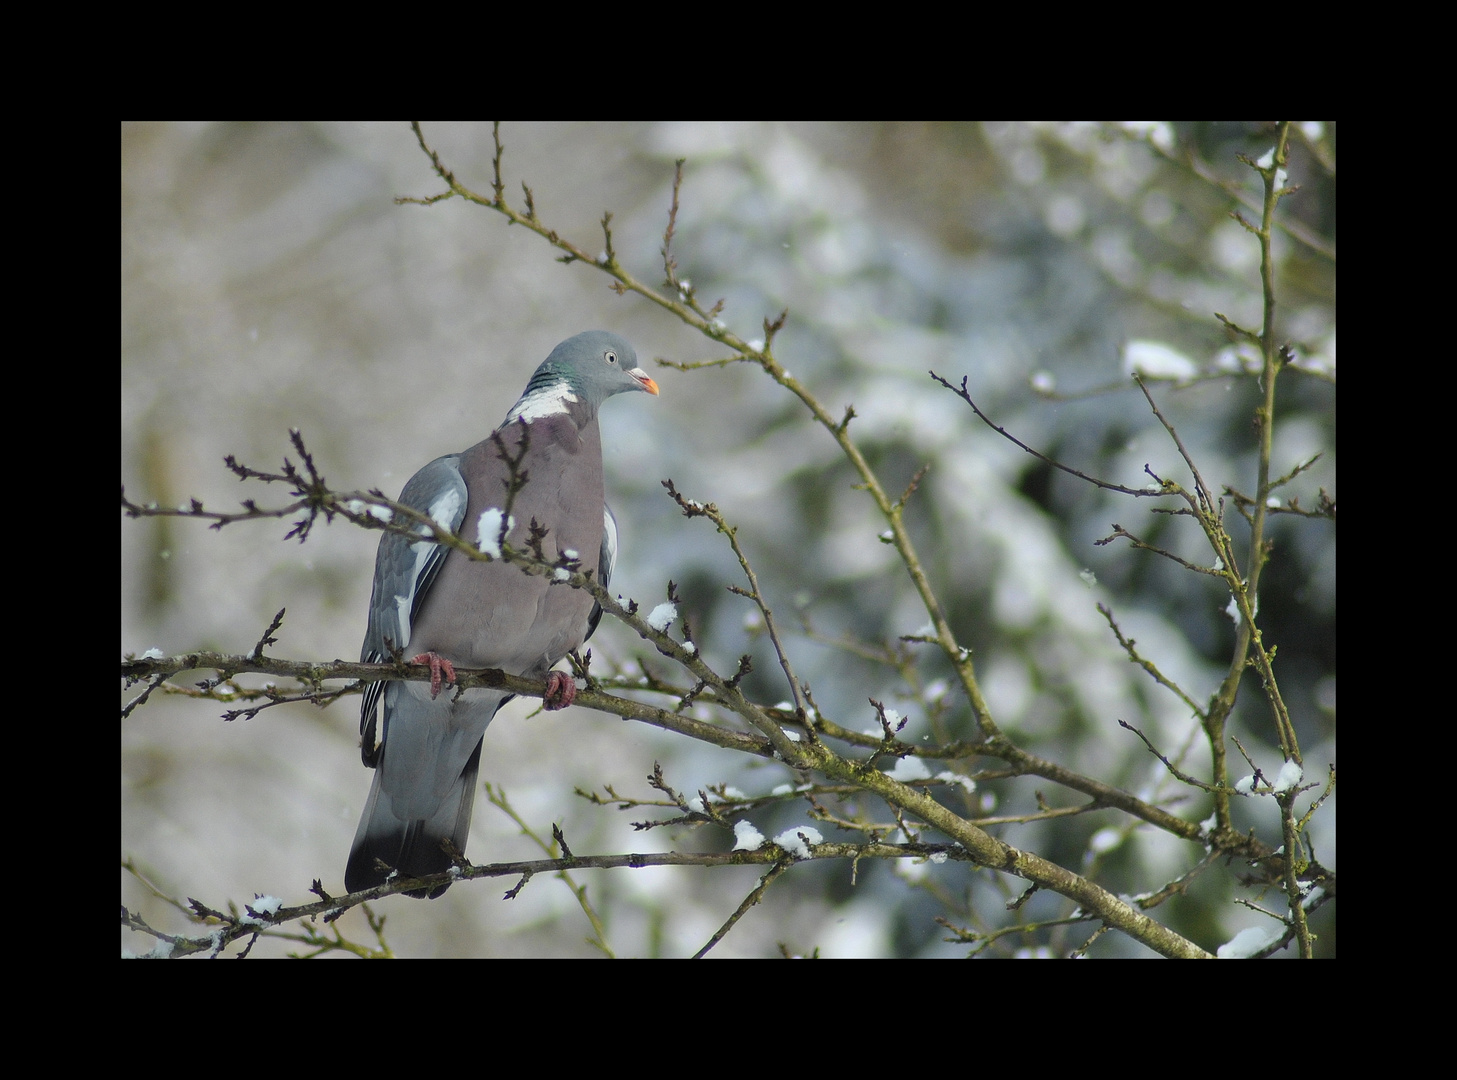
441 671
561 688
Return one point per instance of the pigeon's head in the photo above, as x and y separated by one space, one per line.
595 365
586 370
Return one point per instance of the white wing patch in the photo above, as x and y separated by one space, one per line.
547 401
446 510
403 603
609 547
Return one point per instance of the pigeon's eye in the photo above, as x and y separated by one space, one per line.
610 357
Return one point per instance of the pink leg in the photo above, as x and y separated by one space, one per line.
561 688
441 670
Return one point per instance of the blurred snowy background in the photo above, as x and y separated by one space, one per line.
270 282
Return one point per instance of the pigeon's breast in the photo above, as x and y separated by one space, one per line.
494 614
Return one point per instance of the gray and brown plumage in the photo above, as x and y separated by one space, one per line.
445 610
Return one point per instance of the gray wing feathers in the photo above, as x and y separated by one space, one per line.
424 795
403 573
606 560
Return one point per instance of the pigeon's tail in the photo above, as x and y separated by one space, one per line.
411 846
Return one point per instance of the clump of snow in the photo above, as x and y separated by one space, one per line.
359 506
949 777
661 616
796 841
265 906
746 837
1290 775
908 769
1155 360
488 529
1248 942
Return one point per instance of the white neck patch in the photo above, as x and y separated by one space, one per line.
547 401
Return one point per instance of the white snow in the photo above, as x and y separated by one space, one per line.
1155 360
488 530
661 616
1290 776
796 841
746 837
908 769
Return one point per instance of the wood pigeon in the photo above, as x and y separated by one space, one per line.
444 609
